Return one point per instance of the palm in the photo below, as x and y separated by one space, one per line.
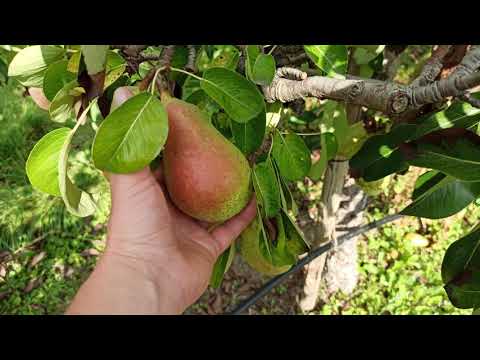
146 225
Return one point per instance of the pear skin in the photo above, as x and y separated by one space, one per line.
206 176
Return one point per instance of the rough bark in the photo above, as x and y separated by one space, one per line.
341 272
331 198
385 96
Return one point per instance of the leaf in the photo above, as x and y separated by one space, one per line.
291 205
190 86
77 202
221 266
264 70
42 163
115 68
252 52
280 254
249 136
318 168
376 161
459 115
461 271
95 57
74 62
30 64
56 77
363 56
434 188
296 243
131 136
61 107
380 155
225 56
356 137
240 98
332 59
291 155
460 160
267 188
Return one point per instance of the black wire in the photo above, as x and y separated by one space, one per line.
269 285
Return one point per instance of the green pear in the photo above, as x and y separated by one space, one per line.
249 244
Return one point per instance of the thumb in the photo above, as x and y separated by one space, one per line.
120 95
124 186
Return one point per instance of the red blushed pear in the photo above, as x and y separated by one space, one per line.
206 176
39 97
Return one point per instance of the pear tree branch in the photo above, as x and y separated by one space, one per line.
385 96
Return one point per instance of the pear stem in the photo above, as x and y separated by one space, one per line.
186 72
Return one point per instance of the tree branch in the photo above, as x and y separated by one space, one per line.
432 67
385 96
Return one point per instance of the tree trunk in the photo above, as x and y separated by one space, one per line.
340 270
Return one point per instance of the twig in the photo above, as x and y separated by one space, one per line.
192 56
432 67
167 55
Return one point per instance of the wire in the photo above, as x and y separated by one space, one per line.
269 285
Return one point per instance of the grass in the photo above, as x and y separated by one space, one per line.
28 216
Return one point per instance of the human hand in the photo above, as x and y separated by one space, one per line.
157 259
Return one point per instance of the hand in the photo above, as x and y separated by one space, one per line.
157 259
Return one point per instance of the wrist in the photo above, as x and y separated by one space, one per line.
140 275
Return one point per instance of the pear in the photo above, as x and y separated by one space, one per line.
206 176
249 244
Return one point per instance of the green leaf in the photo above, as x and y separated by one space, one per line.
363 56
240 98
459 115
291 205
56 77
460 271
476 311
252 52
74 62
115 68
61 107
332 59
296 243
280 254
190 87
334 118
225 56
353 142
77 202
221 266
267 188
204 103
318 168
434 188
291 155
131 136
30 64
95 57
42 163
461 160
264 70
380 155
249 136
